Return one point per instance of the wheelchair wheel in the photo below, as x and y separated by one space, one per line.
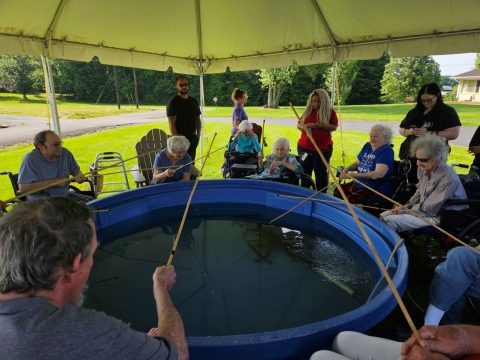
307 182
471 234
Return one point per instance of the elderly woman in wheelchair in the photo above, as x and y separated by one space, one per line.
438 183
173 163
374 162
280 162
245 142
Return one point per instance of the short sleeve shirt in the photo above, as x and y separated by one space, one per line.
238 113
33 328
186 111
369 159
322 137
35 168
162 160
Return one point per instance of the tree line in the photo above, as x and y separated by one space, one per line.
387 79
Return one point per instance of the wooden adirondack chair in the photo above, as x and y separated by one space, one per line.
155 139
147 149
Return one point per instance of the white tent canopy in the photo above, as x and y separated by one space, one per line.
242 35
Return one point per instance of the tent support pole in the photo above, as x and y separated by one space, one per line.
51 92
202 107
334 76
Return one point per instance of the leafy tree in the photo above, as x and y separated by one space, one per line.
346 73
18 71
307 79
276 80
366 87
451 96
447 81
403 77
477 61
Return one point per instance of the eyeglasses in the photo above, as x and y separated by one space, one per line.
57 144
428 101
423 160
183 85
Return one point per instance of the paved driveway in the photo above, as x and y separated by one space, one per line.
22 129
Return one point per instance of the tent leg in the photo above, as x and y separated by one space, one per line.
202 107
334 77
51 94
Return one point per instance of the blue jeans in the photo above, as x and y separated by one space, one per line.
455 279
314 162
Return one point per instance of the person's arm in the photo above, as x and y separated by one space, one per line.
160 175
171 125
199 126
474 150
285 164
406 132
299 125
379 172
186 176
452 341
236 122
443 191
232 144
351 167
256 144
79 177
449 134
42 184
170 324
325 127
260 164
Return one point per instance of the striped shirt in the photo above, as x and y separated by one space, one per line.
432 193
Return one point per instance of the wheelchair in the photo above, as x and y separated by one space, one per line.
290 177
14 182
402 190
242 163
463 224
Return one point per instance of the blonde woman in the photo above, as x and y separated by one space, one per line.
320 120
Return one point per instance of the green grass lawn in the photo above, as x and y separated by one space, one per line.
469 114
36 105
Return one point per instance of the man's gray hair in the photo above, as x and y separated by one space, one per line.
245 125
39 237
41 137
432 147
386 131
282 140
177 143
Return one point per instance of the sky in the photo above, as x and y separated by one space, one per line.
455 64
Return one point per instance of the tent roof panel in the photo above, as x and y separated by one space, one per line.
248 35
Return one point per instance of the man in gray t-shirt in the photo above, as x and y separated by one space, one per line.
46 254
49 163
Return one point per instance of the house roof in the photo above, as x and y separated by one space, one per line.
469 74
446 88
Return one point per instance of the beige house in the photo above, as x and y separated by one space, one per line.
468 87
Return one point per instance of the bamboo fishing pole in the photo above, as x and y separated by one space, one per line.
176 167
94 173
90 173
411 212
362 230
263 143
179 233
300 203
